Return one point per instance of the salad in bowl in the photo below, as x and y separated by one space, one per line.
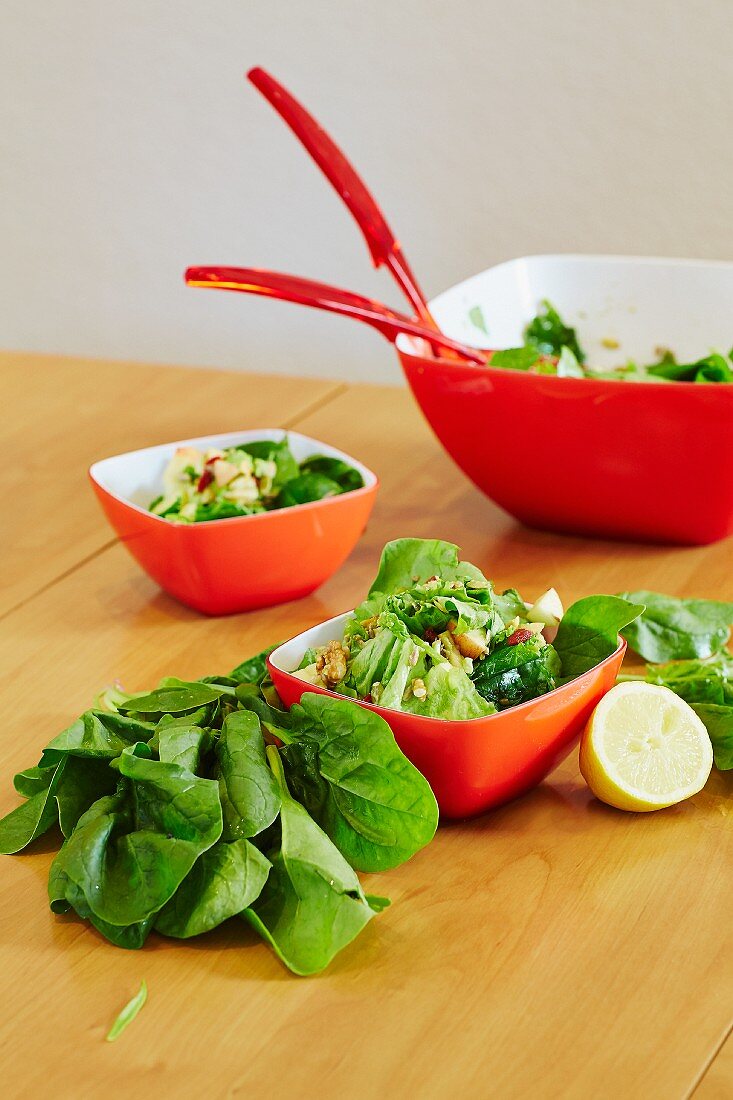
485 692
442 645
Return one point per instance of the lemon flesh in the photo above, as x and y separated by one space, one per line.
644 748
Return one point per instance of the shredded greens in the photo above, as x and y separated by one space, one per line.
551 346
246 479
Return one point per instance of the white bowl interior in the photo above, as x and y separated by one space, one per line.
288 656
137 476
642 303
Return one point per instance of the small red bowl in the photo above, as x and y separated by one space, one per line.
229 565
472 765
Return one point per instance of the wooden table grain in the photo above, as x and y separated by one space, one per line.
553 948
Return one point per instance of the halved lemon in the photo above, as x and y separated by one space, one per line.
644 748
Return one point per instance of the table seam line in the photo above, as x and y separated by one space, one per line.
709 1063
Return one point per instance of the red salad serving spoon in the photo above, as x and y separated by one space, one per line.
381 241
308 292
384 247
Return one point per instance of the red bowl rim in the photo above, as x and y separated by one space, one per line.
371 485
385 712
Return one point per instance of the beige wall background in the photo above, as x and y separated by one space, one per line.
131 146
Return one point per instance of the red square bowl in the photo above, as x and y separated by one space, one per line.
477 764
228 565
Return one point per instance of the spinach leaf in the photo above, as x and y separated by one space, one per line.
181 744
718 721
32 818
406 562
130 852
128 1013
82 782
254 669
222 509
589 629
307 487
672 628
101 733
345 476
712 368
277 451
34 780
512 674
312 904
548 334
178 697
249 793
222 883
356 783
515 358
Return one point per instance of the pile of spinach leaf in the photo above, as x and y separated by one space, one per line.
178 812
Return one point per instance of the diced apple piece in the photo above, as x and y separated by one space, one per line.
183 458
310 675
548 611
471 644
224 471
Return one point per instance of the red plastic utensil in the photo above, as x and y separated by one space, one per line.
381 241
308 292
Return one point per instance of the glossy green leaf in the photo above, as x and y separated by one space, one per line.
221 884
250 796
312 904
588 632
672 628
357 784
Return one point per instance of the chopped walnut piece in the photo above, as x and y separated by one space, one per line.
331 664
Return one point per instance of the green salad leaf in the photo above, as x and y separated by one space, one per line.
312 904
345 476
512 674
589 630
343 764
221 884
32 818
127 858
128 1013
407 562
515 358
672 628
174 820
308 487
250 796
548 334
449 693
253 670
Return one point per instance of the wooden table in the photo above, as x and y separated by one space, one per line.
553 948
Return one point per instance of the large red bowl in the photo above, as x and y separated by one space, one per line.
236 564
477 764
628 460
618 459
